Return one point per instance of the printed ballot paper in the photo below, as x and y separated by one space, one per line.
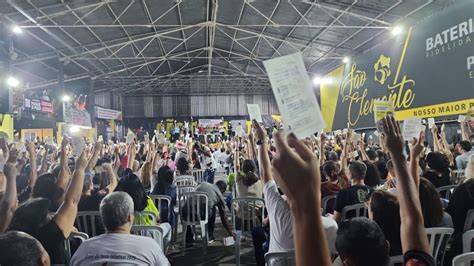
130 137
78 145
381 110
431 122
411 128
254 112
294 95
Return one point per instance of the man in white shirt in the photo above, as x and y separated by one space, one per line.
279 212
117 246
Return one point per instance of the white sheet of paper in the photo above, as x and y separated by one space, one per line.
78 145
354 154
381 110
228 241
431 122
294 95
442 127
344 131
411 128
100 138
254 112
130 137
461 118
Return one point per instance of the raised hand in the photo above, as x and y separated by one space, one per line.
417 145
81 162
259 131
12 155
297 168
393 136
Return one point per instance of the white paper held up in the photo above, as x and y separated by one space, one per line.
228 241
254 112
78 145
294 95
431 122
411 128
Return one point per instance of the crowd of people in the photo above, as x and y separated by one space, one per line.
43 188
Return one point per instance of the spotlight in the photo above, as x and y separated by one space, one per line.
317 80
73 129
397 30
12 82
17 30
346 60
66 98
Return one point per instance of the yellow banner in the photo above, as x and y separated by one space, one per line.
442 109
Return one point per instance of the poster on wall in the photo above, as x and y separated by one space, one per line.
76 116
427 71
107 114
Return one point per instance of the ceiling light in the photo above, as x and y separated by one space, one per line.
322 80
12 82
397 30
66 98
17 29
346 59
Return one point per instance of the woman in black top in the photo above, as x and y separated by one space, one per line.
438 174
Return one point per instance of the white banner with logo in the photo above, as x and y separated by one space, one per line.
108 114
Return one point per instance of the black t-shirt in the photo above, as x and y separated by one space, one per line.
89 202
352 195
436 180
24 194
52 239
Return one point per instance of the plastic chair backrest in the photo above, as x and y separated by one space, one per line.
466 259
359 209
181 181
438 237
184 189
396 261
158 200
249 210
459 173
469 222
152 231
199 176
446 191
190 203
467 241
88 221
327 203
280 258
140 217
77 235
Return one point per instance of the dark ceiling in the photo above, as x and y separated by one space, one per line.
191 46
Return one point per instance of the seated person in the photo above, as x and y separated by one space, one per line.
438 174
165 187
131 184
357 193
18 248
216 200
90 199
117 245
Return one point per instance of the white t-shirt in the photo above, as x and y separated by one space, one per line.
119 249
281 222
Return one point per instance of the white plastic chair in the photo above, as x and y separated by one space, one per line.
152 231
199 176
438 237
140 217
280 258
248 209
158 199
76 235
326 200
469 222
359 209
190 204
181 181
467 240
396 260
87 222
446 191
464 259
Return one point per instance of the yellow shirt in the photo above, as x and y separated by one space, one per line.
150 206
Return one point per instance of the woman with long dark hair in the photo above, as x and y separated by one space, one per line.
165 187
